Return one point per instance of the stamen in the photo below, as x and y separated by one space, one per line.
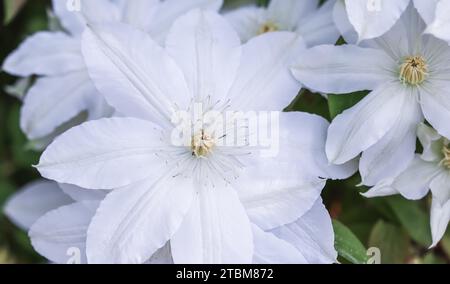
446 160
202 144
268 27
414 70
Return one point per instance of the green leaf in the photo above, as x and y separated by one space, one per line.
392 241
445 243
6 190
413 219
432 258
310 103
338 103
235 4
348 245
12 8
21 156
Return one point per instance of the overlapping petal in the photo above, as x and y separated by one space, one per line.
60 235
45 53
132 223
344 69
33 201
360 127
216 229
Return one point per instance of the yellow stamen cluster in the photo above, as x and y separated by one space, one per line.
446 161
202 145
268 27
414 70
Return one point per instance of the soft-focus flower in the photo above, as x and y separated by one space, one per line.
57 217
409 75
440 27
34 200
373 18
214 203
64 89
429 170
315 24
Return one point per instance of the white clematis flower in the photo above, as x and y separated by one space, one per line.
430 170
64 89
370 19
213 203
315 24
409 77
440 27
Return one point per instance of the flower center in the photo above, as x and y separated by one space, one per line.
202 144
446 160
414 70
268 27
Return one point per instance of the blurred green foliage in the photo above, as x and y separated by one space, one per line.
399 228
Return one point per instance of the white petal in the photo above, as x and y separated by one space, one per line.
135 75
440 217
363 125
383 188
441 25
132 223
440 187
140 13
312 235
208 51
45 53
264 81
287 13
100 11
247 21
276 193
104 154
215 231
34 200
414 182
302 140
427 9
69 16
82 194
272 250
53 101
392 154
374 18
60 235
343 69
404 38
343 24
170 10
435 100
431 142
318 27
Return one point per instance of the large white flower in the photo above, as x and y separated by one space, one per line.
440 27
430 170
214 203
409 75
373 18
64 89
315 24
